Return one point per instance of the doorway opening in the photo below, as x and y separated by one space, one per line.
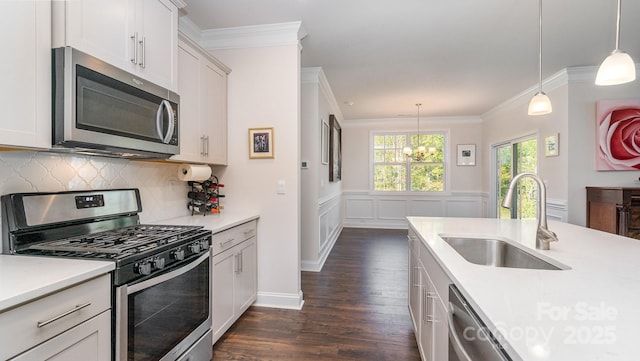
511 158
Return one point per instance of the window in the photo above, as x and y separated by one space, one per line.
393 171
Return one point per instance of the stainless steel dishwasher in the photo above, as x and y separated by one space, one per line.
469 338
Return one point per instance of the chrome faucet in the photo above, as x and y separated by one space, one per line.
543 235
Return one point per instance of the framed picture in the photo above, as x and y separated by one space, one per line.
551 145
325 142
261 142
466 154
335 149
617 123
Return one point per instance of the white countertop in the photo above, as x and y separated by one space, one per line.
216 222
24 278
589 312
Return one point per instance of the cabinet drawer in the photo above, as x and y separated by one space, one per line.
20 331
232 236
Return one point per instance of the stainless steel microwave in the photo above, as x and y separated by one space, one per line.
101 109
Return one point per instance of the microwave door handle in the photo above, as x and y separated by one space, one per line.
172 122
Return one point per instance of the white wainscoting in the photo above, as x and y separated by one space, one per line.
374 210
329 228
557 210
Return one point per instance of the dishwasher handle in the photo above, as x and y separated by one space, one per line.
456 344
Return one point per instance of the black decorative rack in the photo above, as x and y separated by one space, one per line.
204 197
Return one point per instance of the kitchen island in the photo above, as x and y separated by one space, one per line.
587 311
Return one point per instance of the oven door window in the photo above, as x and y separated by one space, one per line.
162 315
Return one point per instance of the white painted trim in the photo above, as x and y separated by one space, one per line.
280 300
179 3
185 38
253 36
553 82
315 75
189 28
410 122
310 266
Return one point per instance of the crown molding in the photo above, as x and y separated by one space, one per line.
189 28
315 75
253 36
551 83
179 3
410 122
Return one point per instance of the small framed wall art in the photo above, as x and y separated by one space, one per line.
335 149
466 154
261 143
551 145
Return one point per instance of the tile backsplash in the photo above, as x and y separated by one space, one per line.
163 195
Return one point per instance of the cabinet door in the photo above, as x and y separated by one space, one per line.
440 330
427 317
157 26
222 292
414 290
89 341
26 85
97 27
214 112
188 88
246 277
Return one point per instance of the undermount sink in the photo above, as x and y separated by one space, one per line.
497 253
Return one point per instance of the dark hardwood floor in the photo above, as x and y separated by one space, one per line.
355 309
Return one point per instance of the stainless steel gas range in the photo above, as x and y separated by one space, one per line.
161 284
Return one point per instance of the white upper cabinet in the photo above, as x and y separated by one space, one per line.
139 36
202 87
26 84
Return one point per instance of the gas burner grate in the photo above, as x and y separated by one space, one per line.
127 240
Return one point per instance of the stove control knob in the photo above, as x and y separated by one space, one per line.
195 247
204 245
143 268
178 254
158 263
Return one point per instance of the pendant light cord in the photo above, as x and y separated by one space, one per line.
618 27
540 46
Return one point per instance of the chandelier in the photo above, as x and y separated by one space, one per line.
420 152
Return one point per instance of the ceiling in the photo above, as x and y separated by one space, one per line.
456 57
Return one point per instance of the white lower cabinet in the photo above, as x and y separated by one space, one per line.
71 324
234 280
427 302
89 341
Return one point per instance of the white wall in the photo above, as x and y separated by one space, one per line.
510 121
163 195
264 91
574 96
321 200
583 96
364 208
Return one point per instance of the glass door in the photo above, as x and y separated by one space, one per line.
515 157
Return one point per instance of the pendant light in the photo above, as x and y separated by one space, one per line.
421 151
617 68
540 104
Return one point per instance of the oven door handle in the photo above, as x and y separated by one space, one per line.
167 276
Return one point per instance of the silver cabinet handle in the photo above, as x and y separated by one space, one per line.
206 143
202 145
54 319
134 40
143 52
241 258
222 244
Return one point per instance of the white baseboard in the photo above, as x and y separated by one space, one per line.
316 266
280 300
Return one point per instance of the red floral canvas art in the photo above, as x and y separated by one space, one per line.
618 134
